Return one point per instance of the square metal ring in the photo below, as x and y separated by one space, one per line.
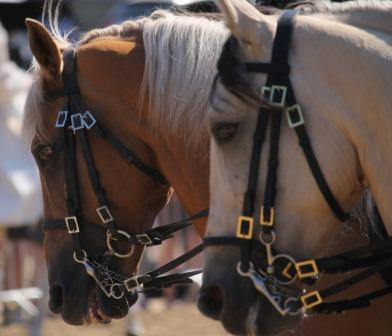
72 224
241 221
134 280
266 92
274 90
144 239
61 119
311 299
301 269
77 122
295 109
88 120
105 214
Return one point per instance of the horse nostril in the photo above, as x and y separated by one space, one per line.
56 299
210 301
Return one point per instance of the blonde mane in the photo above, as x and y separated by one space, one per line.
181 53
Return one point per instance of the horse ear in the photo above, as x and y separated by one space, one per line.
44 48
244 21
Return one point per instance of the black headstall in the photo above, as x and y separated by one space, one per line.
74 121
276 277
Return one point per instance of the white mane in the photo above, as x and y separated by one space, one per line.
181 56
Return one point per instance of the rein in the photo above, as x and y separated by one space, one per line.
74 121
281 270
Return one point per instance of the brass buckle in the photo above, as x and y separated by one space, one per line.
144 239
72 224
240 223
276 94
294 115
105 214
311 299
302 271
270 221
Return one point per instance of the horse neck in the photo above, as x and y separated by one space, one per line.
373 15
185 167
187 170
349 88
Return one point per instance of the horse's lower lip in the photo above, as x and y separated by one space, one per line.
94 313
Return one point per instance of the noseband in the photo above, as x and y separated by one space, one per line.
281 270
74 121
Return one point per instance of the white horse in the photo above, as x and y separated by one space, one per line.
341 71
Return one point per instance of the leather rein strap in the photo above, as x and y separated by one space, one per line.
374 258
74 121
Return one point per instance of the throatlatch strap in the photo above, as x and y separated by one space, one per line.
128 155
313 164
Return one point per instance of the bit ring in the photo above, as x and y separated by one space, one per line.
80 261
113 250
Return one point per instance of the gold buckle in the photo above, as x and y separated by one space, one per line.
303 265
311 299
240 222
270 221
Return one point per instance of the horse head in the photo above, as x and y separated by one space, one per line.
290 112
89 182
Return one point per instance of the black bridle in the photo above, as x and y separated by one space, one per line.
280 270
74 121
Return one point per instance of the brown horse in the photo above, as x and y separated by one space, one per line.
169 59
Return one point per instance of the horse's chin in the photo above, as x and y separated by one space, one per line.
261 319
94 313
101 309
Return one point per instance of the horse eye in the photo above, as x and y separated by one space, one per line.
224 132
45 152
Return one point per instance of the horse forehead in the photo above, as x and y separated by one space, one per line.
113 44
117 55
